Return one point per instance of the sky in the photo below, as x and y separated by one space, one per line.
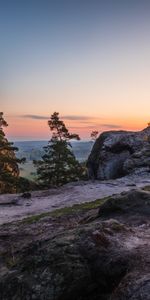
89 60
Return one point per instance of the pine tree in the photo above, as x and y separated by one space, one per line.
9 171
94 135
58 165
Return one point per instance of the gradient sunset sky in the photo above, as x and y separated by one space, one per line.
87 59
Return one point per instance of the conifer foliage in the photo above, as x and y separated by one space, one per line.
9 171
58 165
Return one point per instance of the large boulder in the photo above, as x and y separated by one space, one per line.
129 204
119 153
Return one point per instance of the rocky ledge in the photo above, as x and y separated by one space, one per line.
102 252
119 153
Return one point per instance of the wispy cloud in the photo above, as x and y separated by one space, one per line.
77 118
34 117
82 127
111 126
65 117
89 122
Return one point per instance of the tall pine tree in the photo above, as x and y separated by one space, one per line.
58 165
9 171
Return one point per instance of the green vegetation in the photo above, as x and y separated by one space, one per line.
94 135
75 209
9 171
58 165
28 171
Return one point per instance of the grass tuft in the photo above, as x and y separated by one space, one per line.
146 188
75 209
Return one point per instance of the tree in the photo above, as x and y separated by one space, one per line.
94 135
58 165
9 171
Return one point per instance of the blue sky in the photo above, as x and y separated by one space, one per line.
81 58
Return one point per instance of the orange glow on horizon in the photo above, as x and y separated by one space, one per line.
24 129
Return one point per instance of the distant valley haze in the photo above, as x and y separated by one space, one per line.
33 150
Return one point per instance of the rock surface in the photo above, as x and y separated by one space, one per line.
16 207
104 256
118 153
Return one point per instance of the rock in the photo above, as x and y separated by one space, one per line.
136 286
119 153
26 195
101 259
8 201
132 203
86 267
